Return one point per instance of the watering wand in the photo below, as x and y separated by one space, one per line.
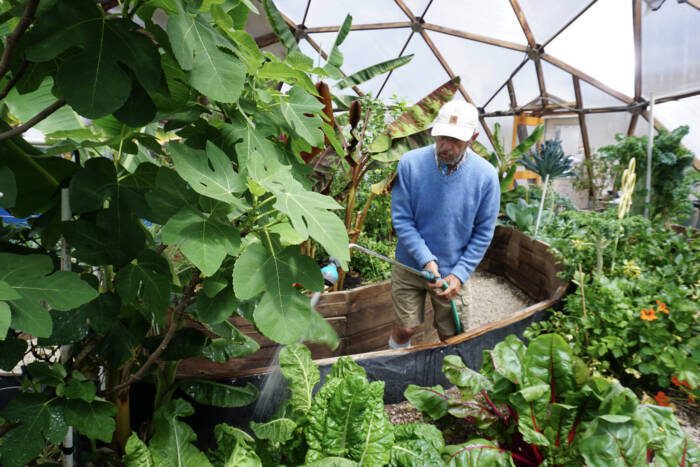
427 275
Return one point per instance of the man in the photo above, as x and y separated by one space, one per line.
444 206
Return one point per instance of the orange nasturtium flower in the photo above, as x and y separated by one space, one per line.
680 383
661 307
648 314
662 399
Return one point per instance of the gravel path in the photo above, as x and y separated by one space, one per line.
494 298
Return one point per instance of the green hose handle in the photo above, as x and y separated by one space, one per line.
427 275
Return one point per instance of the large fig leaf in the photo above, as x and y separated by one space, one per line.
283 313
31 277
146 279
212 71
307 210
5 318
301 111
476 453
38 419
172 442
302 375
94 420
219 394
209 173
205 239
8 188
91 78
549 360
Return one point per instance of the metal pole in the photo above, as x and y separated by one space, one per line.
65 349
650 146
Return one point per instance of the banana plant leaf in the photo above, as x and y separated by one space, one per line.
368 73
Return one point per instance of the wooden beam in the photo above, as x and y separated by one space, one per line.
523 23
266 40
563 28
584 137
486 128
587 78
694 3
475 37
676 97
560 110
306 12
362 27
405 9
633 124
637 29
511 94
540 79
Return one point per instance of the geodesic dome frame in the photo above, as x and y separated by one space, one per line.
597 62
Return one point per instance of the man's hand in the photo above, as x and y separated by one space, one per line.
432 267
454 286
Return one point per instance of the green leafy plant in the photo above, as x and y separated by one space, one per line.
538 405
672 175
523 214
634 313
594 176
189 198
344 418
504 162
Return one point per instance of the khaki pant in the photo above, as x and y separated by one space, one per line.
408 294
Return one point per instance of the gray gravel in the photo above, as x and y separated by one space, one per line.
494 298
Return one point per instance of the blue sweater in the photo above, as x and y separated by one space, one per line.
447 218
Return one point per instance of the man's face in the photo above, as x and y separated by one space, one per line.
448 149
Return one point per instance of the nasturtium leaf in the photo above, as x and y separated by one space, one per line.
31 277
94 47
5 318
8 188
209 173
94 419
204 240
213 72
38 419
173 441
301 110
146 279
219 394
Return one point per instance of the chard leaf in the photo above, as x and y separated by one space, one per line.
136 453
476 453
302 375
172 442
277 431
431 401
467 380
549 360
219 394
611 444
234 448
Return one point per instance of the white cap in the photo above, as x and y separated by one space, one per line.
456 119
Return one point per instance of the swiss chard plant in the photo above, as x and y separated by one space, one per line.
342 419
169 194
537 405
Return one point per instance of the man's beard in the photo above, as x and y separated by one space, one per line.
445 158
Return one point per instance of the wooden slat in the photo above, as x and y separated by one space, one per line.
637 31
584 134
405 9
694 3
633 124
523 23
362 27
587 78
511 94
540 80
475 37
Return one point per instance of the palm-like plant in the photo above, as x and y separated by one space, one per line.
549 162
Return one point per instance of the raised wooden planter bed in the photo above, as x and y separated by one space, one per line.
363 317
